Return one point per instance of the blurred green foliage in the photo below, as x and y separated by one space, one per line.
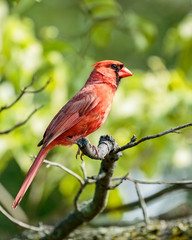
61 39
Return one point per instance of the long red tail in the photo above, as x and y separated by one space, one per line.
30 175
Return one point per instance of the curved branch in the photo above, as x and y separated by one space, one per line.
49 163
133 205
107 148
87 211
134 143
108 152
142 203
40 89
20 223
21 123
151 182
24 91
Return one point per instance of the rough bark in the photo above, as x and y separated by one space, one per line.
88 211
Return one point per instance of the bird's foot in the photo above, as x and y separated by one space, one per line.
95 149
79 153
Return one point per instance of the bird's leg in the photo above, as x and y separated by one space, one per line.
79 153
81 156
75 142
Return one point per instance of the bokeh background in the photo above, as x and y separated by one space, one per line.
61 40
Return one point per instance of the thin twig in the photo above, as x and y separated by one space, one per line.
133 141
133 205
81 181
87 180
96 205
20 223
155 182
119 183
40 89
21 123
96 178
20 95
77 207
24 91
142 203
82 166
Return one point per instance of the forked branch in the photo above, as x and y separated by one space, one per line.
24 91
86 212
134 141
20 123
108 152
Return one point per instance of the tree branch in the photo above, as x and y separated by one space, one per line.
20 123
19 223
108 152
142 203
40 89
134 143
89 210
156 182
24 91
107 146
49 163
135 204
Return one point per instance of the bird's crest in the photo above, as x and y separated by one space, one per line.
106 62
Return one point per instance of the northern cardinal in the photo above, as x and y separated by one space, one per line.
80 116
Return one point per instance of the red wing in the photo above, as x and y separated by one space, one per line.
69 115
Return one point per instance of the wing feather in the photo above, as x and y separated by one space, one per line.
70 114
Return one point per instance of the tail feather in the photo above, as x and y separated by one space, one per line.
30 175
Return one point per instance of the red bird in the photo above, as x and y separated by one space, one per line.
80 116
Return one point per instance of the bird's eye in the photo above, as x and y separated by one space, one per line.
114 67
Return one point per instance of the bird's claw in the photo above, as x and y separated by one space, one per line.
81 156
79 153
95 149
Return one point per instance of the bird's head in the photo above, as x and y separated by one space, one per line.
110 72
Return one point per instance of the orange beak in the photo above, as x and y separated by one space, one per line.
124 72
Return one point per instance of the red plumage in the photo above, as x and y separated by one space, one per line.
80 116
